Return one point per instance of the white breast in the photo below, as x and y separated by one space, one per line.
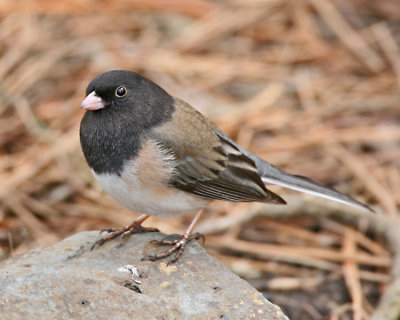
141 186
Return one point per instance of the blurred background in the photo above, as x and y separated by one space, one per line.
311 86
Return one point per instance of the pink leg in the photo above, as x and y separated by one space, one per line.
134 227
178 245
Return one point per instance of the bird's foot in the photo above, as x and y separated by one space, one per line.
134 227
177 246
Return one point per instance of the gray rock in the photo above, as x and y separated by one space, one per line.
69 281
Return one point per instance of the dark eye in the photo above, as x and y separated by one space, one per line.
120 91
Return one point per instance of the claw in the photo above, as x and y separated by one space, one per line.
98 243
198 236
177 246
149 257
108 230
134 227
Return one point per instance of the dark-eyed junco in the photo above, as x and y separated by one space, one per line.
156 154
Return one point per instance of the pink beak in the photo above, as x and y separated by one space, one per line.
92 102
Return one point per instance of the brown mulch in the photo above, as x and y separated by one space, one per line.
311 86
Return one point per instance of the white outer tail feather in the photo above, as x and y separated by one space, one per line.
268 180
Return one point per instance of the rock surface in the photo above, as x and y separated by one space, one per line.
69 281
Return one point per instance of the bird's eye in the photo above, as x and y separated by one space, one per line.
120 91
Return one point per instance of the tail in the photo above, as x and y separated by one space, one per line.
274 175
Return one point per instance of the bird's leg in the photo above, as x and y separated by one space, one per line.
178 245
134 227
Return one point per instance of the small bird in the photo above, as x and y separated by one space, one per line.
157 155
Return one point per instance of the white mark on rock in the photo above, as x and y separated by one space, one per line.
132 270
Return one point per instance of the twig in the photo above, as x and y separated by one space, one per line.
369 181
389 46
304 254
347 34
351 275
384 226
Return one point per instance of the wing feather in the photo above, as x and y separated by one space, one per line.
208 164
